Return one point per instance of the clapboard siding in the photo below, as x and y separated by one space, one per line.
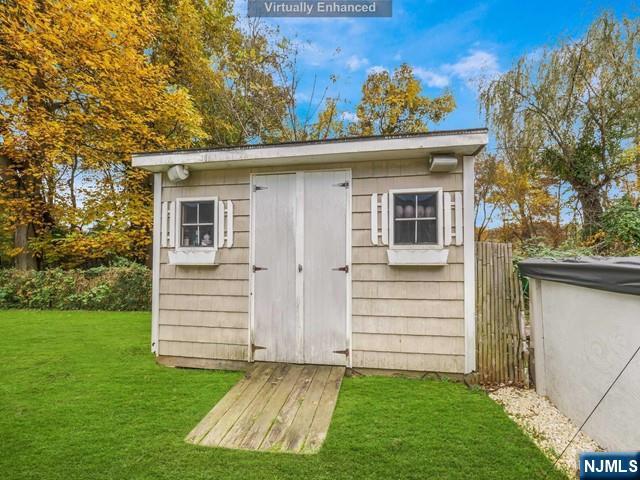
220 272
392 168
440 345
223 192
409 290
228 336
448 327
409 361
210 287
385 307
202 350
447 181
402 318
205 319
373 272
204 303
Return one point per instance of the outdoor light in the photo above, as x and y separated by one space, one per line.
443 163
178 173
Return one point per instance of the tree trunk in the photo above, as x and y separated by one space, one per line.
25 260
589 198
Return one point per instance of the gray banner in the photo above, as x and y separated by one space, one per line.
319 8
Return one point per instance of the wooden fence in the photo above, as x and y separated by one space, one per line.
502 355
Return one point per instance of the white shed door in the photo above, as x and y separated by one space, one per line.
325 275
300 293
276 324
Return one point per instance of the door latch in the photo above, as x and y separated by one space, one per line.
299 267
344 269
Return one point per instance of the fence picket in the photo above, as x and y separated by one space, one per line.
500 356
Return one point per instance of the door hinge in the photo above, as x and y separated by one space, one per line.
343 185
258 269
344 269
258 187
344 352
255 347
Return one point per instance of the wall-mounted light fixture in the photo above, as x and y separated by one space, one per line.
178 173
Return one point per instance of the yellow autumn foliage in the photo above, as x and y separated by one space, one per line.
80 94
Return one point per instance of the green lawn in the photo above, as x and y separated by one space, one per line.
81 397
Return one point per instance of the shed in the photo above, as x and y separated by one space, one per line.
355 252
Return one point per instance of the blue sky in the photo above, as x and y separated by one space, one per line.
449 43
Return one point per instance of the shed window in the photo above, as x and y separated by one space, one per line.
197 223
416 218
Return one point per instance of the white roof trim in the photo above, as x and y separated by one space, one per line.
317 152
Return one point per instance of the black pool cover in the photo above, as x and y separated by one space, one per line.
614 274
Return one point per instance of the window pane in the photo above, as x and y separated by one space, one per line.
427 204
189 212
404 206
206 212
427 231
404 233
189 237
206 235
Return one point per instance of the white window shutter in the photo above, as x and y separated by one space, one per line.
172 225
229 223
220 224
374 218
383 205
459 222
446 201
164 223
384 217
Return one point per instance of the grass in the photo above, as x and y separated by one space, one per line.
81 398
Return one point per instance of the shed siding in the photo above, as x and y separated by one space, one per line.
204 310
402 318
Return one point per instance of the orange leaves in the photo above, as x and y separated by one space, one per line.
81 95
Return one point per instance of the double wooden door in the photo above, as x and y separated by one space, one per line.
300 268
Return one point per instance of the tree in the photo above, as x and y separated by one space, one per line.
394 103
485 202
80 93
230 71
621 228
583 100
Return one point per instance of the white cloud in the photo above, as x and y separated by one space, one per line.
349 117
312 53
356 63
376 69
474 68
432 79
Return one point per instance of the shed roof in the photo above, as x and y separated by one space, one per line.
380 147
613 274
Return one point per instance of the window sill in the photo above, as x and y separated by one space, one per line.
416 258
193 257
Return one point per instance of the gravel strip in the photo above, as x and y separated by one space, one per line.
546 426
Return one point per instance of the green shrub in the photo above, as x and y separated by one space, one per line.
124 287
621 228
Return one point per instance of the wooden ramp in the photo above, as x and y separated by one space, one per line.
276 407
